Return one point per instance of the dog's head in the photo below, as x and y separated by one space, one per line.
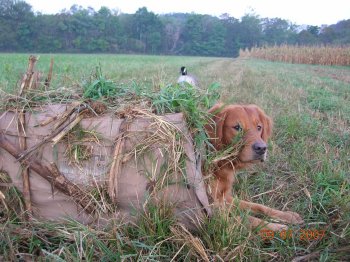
248 120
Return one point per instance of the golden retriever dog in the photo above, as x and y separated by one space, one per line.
255 128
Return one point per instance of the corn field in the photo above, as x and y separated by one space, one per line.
316 55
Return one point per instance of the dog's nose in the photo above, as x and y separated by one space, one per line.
259 148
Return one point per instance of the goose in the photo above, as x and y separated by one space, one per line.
184 77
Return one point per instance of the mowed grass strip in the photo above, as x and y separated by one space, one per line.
307 169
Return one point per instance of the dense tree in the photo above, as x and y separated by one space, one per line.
250 31
148 29
173 26
87 30
309 36
192 35
341 32
327 35
278 31
203 35
232 43
16 20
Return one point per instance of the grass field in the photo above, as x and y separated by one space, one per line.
308 170
71 70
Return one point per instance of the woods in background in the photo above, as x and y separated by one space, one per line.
80 30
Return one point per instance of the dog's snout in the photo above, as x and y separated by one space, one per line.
259 148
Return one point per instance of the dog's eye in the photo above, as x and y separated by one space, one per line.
237 127
259 127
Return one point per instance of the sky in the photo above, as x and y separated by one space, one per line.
301 12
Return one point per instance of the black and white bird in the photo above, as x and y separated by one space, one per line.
184 77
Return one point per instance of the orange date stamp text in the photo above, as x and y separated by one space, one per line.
302 234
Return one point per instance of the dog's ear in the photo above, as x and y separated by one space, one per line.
215 127
267 124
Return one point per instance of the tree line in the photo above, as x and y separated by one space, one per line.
85 30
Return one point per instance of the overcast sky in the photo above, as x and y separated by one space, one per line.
310 12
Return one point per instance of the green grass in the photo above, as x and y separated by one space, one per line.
307 170
73 69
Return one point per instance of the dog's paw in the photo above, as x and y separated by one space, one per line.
276 227
292 218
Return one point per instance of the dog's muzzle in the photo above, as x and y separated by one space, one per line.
260 150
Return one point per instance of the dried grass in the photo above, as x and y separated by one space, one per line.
315 55
162 136
79 146
227 155
194 244
11 199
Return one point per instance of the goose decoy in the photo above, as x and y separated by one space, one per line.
184 77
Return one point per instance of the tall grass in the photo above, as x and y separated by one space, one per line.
315 55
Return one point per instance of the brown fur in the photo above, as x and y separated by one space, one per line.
257 129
